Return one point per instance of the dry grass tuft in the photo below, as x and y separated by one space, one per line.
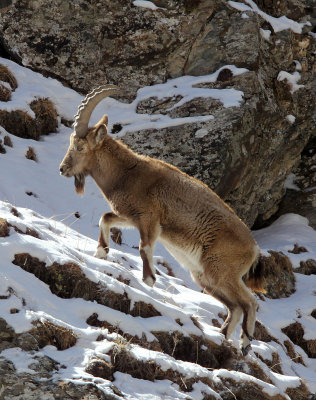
30 154
295 332
15 212
262 334
278 275
144 310
68 281
4 228
2 149
307 267
46 333
7 141
292 353
299 393
7 76
21 124
5 93
194 349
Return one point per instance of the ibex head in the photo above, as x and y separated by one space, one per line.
84 140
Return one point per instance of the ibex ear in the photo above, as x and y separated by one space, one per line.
101 129
100 134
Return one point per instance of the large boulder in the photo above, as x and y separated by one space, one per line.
246 152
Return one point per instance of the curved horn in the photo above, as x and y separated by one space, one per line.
88 105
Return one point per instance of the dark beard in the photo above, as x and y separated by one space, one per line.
79 183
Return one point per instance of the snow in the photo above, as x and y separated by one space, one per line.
21 360
290 118
200 133
265 33
145 4
289 183
278 24
292 79
64 238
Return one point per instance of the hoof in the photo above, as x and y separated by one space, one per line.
245 350
149 280
101 253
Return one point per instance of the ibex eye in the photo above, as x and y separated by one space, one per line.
79 148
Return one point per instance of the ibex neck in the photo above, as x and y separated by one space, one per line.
112 164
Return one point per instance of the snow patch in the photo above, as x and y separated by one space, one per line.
278 24
292 79
145 4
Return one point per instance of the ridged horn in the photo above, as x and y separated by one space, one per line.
88 105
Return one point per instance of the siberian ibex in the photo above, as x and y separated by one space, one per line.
165 204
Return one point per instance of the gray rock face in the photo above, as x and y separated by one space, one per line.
246 152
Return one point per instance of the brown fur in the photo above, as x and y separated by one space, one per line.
163 203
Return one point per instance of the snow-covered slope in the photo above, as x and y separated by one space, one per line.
127 339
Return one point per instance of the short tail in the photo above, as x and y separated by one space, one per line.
254 279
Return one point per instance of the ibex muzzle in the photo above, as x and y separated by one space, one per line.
165 204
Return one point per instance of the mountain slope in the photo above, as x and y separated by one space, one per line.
73 326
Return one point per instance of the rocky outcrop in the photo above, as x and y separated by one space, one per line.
246 152
301 198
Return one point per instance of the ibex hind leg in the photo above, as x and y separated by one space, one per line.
249 306
234 310
225 295
238 301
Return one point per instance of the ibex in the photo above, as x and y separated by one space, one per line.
201 231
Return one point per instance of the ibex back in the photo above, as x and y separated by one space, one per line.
165 204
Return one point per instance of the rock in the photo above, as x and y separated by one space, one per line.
26 342
245 153
303 200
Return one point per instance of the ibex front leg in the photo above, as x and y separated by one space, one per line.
148 236
107 221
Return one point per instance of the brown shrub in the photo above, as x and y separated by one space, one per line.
274 365
2 149
46 116
298 249
194 349
262 334
7 76
21 124
47 333
15 212
28 231
93 320
122 360
7 141
4 228
246 391
307 267
5 93
292 354
67 281
278 274
295 332
30 154
299 393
